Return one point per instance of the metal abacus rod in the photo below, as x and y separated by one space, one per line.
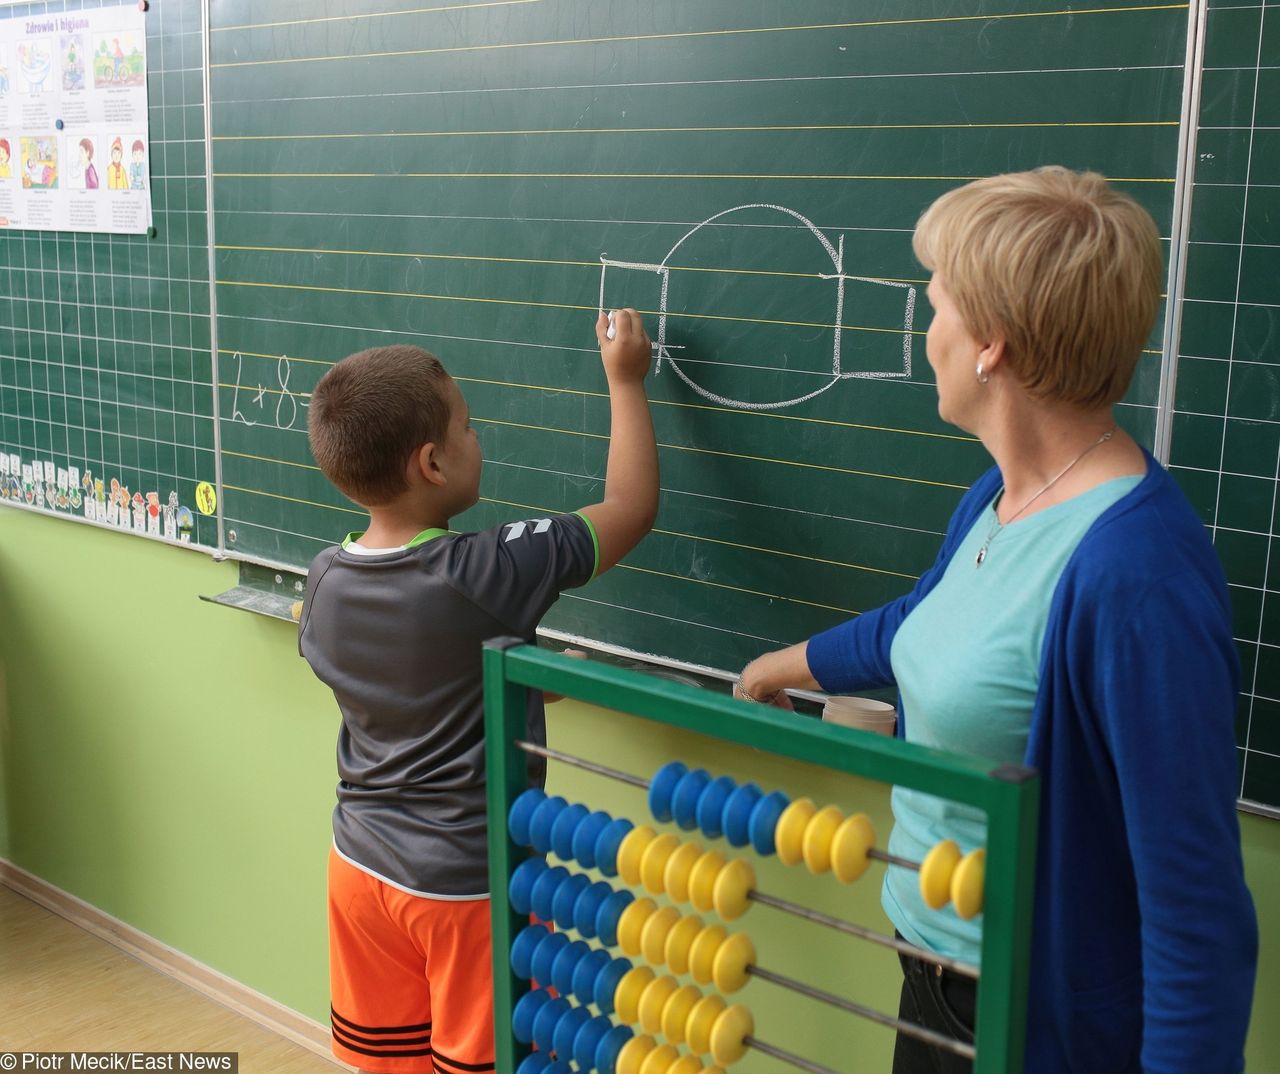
786 906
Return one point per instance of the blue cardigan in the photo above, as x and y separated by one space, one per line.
1144 939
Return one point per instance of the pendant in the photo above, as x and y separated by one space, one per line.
982 554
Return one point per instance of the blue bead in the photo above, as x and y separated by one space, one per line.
611 838
565 963
564 827
764 821
521 810
736 816
523 947
534 1063
660 788
526 1010
586 972
527 873
588 1040
544 1022
544 955
610 1045
684 799
566 897
607 919
711 806
559 1068
543 892
587 908
607 983
541 821
585 836
567 1031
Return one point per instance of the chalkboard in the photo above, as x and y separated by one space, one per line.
480 178
1226 436
105 340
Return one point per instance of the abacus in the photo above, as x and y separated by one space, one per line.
588 972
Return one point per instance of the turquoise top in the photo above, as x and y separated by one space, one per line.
967 663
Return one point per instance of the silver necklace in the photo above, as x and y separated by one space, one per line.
991 534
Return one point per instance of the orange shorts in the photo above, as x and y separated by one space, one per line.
411 978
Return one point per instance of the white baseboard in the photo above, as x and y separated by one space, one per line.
261 1009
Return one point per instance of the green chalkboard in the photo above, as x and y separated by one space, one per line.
480 178
1226 433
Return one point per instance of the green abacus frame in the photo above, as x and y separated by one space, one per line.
1009 796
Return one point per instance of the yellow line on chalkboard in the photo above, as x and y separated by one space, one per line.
732 455
738 589
532 261
369 15
556 306
694 130
652 402
293 499
735 544
264 458
635 175
729 32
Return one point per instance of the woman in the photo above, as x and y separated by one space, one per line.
1077 621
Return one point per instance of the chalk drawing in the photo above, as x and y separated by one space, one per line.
834 251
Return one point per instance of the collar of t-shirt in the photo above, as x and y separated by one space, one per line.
351 543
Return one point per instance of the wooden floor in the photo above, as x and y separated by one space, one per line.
62 989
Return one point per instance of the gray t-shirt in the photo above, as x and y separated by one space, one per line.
397 637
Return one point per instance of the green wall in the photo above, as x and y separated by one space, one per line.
171 762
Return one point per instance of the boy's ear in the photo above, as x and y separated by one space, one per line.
425 463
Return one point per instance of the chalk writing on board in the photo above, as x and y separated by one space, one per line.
839 276
289 403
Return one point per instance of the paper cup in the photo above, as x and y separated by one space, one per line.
862 712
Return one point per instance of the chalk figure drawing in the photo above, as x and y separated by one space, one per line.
838 275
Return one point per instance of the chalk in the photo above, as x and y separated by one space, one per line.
613 330
296 610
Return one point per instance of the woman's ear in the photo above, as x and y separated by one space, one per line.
992 353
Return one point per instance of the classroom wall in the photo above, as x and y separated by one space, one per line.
171 762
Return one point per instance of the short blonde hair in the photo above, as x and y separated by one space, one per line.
1062 264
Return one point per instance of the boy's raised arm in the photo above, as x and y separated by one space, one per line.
630 502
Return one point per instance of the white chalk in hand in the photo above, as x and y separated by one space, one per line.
613 330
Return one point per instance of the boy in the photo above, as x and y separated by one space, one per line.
393 623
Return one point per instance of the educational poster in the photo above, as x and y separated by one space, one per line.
74 141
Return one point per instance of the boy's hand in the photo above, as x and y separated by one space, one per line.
626 356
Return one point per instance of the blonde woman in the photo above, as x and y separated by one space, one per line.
1077 621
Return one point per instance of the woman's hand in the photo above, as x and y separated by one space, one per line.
767 678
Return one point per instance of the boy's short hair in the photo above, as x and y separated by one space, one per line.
1062 264
370 412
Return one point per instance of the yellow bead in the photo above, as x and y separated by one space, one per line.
675 879
788 836
652 1000
815 845
736 881
653 861
631 923
729 968
967 884
626 997
935 874
702 953
729 1033
686 1064
679 940
630 851
653 937
702 879
660 1060
850 846
676 1013
701 1020
633 1055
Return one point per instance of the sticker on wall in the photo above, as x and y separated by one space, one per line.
186 523
206 498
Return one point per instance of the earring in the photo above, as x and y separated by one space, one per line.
982 377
